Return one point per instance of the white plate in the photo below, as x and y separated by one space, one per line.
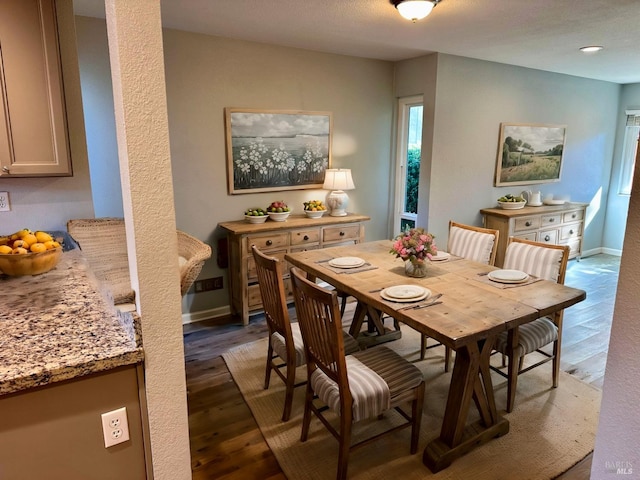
405 293
346 262
554 202
508 276
440 256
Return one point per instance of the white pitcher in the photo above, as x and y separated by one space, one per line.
532 198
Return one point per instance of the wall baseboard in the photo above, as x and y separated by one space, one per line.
193 317
596 251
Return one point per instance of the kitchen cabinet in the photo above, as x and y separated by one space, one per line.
33 124
276 239
553 224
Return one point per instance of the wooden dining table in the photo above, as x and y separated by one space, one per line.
473 312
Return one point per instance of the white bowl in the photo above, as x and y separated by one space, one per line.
278 216
256 219
314 214
512 205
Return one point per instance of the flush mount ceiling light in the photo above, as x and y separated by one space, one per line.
591 49
414 9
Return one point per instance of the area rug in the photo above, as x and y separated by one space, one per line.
550 429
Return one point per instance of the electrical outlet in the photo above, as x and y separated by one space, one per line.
5 206
115 427
208 284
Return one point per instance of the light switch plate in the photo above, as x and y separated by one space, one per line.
5 206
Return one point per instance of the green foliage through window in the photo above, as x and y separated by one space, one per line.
413 180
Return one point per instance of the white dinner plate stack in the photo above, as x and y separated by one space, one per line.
508 276
440 256
347 262
405 293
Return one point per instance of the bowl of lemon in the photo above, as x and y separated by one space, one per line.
28 253
314 208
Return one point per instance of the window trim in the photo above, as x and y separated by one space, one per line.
630 152
402 138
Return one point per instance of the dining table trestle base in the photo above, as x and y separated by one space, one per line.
376 332
438 455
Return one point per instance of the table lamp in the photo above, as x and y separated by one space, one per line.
338 180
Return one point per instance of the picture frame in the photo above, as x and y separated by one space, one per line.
529 154
276 150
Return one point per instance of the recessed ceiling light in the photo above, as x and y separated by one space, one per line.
591 49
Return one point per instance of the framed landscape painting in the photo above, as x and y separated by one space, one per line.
529 153
274 150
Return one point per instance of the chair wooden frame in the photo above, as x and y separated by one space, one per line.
271 284
515 366
320 323
492 258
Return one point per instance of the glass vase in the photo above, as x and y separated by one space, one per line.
416 270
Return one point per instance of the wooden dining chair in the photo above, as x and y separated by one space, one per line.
285 340
473 243
548 262
356 387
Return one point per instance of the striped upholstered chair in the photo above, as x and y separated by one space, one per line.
285 350
473 243
548 262
356 387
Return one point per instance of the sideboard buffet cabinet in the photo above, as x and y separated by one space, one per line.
297 233
553 224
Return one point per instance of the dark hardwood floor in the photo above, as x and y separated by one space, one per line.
226 443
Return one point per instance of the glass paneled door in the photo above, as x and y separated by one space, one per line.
409 141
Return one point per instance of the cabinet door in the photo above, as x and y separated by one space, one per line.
33 131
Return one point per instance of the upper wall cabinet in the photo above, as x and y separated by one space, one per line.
33 125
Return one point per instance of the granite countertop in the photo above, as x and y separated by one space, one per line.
61 325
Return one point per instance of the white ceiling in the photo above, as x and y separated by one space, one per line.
541 34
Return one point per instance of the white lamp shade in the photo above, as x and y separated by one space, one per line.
415 9
338 179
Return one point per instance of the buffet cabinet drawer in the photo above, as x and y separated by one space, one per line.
574 216
254 298
298 233
550 220
349 233
548 236
526 223
575 247
268 241
571 231
533 236
305 237
251 262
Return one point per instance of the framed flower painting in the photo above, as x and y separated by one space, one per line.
274 150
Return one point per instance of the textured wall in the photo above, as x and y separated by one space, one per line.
618 436
135 49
